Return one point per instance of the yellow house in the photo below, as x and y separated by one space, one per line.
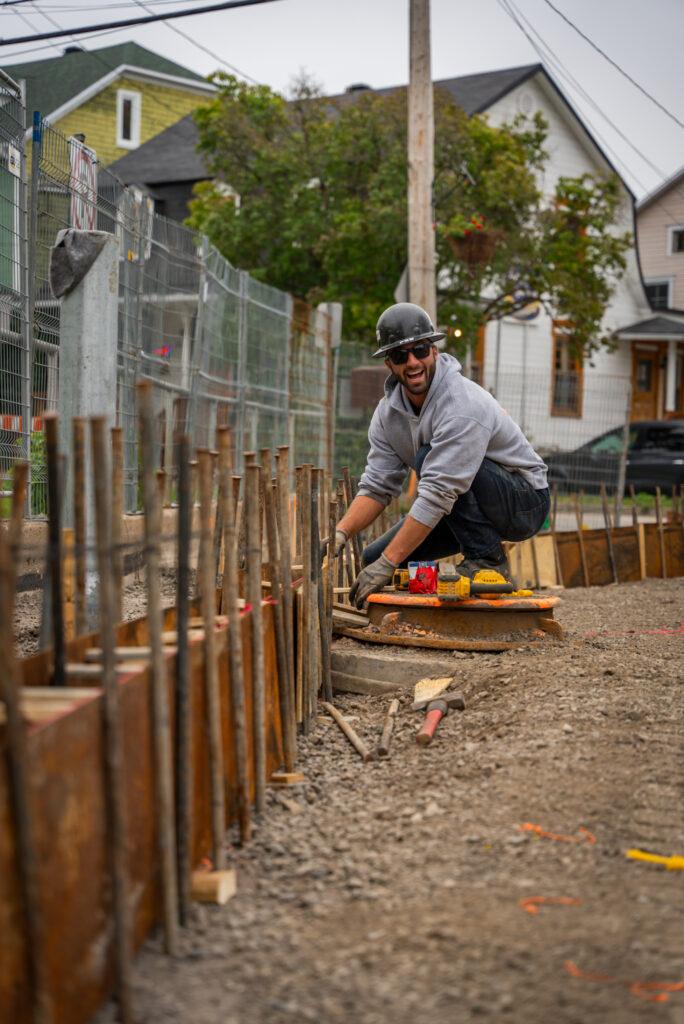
118 97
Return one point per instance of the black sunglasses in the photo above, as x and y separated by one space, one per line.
399 356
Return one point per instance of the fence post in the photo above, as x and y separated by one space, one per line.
243 341
622 469
88 351
34 188
333 312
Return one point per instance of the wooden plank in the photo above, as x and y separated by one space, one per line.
214 886
343 683
436 643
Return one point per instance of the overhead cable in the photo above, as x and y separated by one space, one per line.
547 56
617 67
201 46
111 25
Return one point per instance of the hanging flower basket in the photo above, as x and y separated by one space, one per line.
474 247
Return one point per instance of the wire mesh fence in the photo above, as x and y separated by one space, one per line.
219 346
15 405
584 448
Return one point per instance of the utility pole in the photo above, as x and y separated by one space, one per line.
421 238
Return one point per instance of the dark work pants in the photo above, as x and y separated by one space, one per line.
499 506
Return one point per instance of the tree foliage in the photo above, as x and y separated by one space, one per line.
322 208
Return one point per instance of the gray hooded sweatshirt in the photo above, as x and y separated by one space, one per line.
462 423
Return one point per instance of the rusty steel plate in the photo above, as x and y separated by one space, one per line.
470 617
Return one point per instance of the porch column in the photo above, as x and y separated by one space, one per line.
671 376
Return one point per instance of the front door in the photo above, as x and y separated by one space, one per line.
645 384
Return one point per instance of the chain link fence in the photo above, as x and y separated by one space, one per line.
15 393
219 346
583 449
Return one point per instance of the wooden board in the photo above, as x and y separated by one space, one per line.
533 563
625 547
442 644
673 538
67 777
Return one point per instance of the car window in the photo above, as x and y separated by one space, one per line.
664 437
611 443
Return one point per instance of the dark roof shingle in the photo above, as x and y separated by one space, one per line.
171 155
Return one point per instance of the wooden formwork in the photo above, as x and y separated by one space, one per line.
577 559
65 748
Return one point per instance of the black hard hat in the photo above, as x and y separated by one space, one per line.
403 323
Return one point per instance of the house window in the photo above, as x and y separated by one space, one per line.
128 119
568 373
676 239
658 293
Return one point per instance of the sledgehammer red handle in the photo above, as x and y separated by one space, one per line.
436 711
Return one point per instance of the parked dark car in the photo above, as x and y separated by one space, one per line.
655 458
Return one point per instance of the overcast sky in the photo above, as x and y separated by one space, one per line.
340 42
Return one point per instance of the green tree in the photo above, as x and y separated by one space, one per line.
322 208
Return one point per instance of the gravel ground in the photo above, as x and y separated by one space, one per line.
392 891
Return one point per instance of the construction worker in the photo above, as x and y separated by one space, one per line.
479 479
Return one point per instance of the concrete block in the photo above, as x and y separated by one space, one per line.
402 671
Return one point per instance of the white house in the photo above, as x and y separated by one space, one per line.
560 402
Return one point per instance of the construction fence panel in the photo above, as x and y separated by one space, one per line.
15 395
311 393
218 346
579 423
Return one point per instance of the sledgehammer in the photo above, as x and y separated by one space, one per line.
435 711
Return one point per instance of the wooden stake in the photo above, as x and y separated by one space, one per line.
277 591
253 525
320 649
554 538
55 545
160 702
609 532
80 527
309 638
355 740
117 520
330 581
355 542
230 607
637 533
580 539
113 769
388 727
17 761
211 681
284 533
184 780
340 512
324 625
300 682
661 533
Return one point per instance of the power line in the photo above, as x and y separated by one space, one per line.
227 5
23 17
547 56
615 64
200 46
100 60
70 8
550 57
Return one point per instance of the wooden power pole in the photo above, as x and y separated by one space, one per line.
421 237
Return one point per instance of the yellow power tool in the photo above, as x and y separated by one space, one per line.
485 583
452 586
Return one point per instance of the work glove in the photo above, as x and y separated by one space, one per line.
371 579
341 539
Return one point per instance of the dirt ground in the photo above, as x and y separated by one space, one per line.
392 891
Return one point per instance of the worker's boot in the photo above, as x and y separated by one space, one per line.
496 563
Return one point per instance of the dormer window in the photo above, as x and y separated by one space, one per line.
128 119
